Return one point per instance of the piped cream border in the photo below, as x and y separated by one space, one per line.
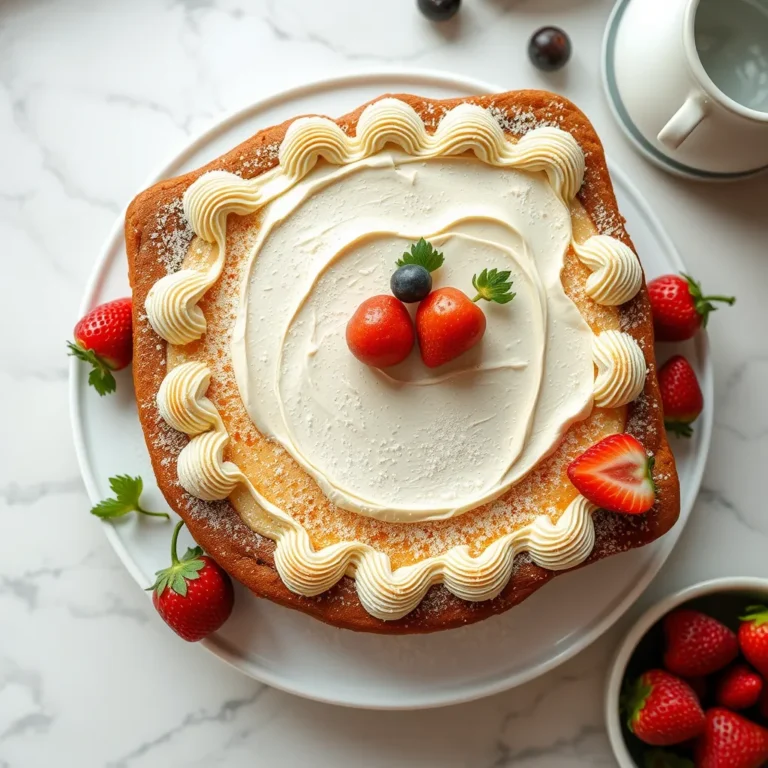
173 311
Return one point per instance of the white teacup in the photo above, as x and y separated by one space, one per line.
690 81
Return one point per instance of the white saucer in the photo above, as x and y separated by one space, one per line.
293 652
631 131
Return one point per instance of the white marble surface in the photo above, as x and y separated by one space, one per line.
94 94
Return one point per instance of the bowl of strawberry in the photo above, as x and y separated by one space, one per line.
688 687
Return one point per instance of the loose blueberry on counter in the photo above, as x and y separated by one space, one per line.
549 49
411 283
439 10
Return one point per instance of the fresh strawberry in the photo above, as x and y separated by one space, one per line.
739 687
615 474
104 339
730 741
447 325
662 709
753 637
448 322
679 308
380 333
194 596
697 644
681 396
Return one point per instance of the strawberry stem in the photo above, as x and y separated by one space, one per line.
143 511
174 539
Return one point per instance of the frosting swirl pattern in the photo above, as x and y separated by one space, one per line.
621 369
183 405
616 272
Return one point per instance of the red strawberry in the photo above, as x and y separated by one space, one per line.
104 339
447 325
194 596
731 741
615 474
663 709
380 333
697 644
681 395
448 322
753 637
739 687
679 308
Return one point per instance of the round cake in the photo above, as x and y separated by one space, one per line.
407 497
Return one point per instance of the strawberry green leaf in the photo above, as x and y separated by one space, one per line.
176 576
703 304
493 285
127 492
758 614
192 554
110 508
679 428
424 254
633 700
100 378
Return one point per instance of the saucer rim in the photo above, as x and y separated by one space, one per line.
630 129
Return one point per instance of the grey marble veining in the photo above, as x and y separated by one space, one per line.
93 96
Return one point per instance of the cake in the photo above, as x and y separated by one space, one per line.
409 498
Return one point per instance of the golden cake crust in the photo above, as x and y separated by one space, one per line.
156 240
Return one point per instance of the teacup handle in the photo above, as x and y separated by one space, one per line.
684 121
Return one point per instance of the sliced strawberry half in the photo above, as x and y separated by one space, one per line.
616 474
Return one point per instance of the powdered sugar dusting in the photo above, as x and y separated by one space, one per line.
172 235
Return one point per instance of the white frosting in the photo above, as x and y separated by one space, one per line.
286 341
182 403
616 272
621 369
411 444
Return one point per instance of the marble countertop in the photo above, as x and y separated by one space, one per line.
94 95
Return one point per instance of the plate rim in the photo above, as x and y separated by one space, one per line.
218 647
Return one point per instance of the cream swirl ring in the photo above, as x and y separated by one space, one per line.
181 399
616 272
621 369
309 138
212 197
482 577
392 594
202 469
171 306
390 121
306 571
566 543
469 127
556 153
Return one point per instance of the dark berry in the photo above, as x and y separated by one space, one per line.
549 48
410 283
439 10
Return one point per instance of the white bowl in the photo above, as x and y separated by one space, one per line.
748 586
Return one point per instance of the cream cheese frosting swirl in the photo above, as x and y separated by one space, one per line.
621 369
616 272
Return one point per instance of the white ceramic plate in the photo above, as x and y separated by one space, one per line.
293 652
